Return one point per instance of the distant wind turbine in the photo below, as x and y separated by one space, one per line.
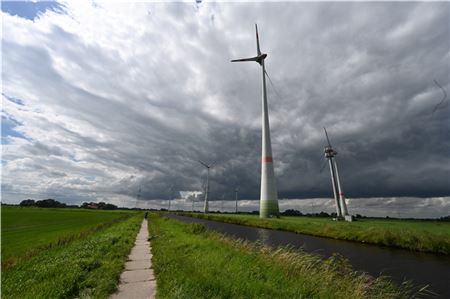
208 166
138 196
236 198
170 196
193 200
268 204
341 206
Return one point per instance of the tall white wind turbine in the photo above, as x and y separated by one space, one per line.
268 204
208 166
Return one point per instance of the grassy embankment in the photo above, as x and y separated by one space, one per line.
77 253
192 262
416 235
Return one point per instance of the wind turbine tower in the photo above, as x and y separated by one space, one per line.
138 196
236 198
208 167
268 204
170 197
341 206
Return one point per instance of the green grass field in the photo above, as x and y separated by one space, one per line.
192 262
426 236
80 258
26 231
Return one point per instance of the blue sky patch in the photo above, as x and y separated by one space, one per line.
30 10
8 125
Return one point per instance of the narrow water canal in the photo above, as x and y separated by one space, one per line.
421 268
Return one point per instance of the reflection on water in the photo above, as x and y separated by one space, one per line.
263 236
422 268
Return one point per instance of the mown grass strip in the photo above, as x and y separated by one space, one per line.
192 262
423 236
85 268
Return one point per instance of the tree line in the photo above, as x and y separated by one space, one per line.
51 203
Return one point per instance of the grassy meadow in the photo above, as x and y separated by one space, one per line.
416 235
192 262
65 253
26 231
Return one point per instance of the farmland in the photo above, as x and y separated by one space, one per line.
53 253
191 262
416 235
26 231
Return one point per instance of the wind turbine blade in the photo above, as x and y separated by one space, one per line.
203 163
211 165
257 40
326 134
244 59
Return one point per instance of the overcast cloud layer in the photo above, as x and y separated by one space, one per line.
101 99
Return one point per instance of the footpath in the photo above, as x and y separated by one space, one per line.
137 280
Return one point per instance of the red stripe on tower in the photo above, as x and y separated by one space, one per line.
267 159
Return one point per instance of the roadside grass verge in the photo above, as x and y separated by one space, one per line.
28 231
191 262
424 236
85 268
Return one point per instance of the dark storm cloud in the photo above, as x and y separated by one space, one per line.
118 100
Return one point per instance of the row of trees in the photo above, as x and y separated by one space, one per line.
45 203
51 203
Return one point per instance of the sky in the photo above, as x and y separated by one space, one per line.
113 101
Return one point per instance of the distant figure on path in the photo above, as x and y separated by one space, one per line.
145 215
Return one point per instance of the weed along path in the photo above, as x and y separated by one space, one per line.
138 281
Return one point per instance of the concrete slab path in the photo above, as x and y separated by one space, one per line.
138 281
